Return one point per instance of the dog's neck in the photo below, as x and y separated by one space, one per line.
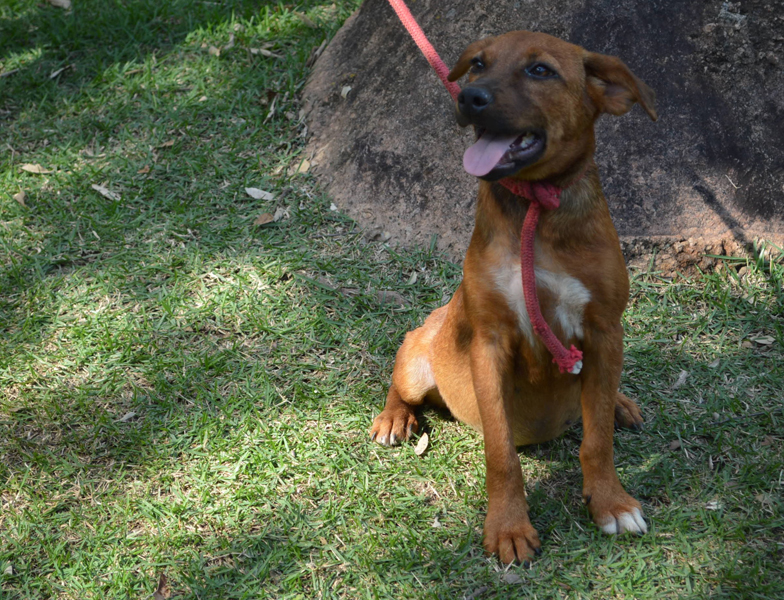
500 212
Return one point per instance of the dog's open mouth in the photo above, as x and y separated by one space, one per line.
497 155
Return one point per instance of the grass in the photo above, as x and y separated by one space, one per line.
187 393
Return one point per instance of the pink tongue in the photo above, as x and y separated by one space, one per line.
484 155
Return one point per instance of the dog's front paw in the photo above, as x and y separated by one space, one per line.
617 513
393 426
512 538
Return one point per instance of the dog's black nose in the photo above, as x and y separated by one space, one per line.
473 100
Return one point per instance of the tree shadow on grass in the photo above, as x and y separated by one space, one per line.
91 133
94 36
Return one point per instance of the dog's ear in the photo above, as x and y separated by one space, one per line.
614 88
464 62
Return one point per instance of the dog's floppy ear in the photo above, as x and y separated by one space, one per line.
464 62
614 88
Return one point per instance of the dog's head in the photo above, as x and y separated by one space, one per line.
533 99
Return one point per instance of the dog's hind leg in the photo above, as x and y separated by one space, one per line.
412 384
627 413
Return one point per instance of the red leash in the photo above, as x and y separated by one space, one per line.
540 194
415 31
547 196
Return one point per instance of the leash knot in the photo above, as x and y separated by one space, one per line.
541 192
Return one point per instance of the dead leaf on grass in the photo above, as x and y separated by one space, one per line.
306 20
215 51
476 593
681 380
765 499
391 297
436 523
258 194
510 577
265 52
422 444
325 282
106 193
713 505
715 363
349 292
263 219
168 144
36 169
675 444
304 166
162 592
20 198
60 70
144 170
9 570
230 44
271 112
129 416
66 4
280 214
765 340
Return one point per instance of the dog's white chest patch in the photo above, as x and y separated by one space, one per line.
570 294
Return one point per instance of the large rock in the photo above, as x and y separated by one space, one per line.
386 144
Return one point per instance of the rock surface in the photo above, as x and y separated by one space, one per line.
387 147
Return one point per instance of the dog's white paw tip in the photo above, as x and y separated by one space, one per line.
642 527
632 522
610 527
626 522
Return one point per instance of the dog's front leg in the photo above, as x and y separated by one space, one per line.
611 508
508 530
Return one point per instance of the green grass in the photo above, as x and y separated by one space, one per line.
187 393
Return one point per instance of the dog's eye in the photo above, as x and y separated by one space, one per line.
541 71
477 65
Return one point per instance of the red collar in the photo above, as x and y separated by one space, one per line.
544 193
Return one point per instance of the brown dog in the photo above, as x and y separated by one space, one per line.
533 100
